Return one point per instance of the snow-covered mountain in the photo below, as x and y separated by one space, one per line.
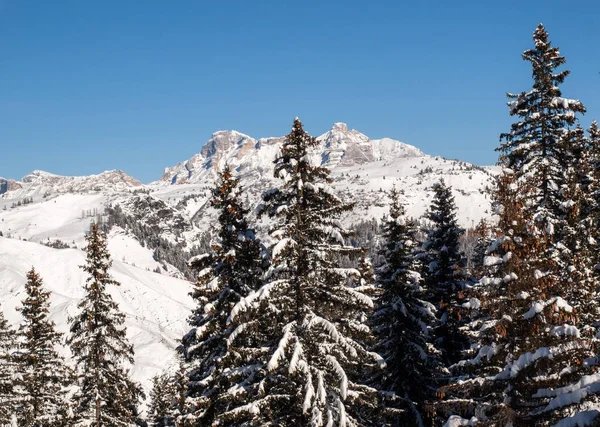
338 147
156 226
362 169
40 182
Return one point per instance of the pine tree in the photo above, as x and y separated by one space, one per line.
532 148
9 376
44 373
302 337
543 151
162 396
180 383
573 241
589 227
536 360
228 273
107 396
403 319
444 275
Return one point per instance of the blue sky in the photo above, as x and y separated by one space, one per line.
87 86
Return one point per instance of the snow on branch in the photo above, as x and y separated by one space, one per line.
341 375
280 351
538 306
513 368
580 419
565 103
571 394
282 245
252 299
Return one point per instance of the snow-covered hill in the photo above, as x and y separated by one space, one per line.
156 226
156 305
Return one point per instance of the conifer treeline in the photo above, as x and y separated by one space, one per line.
494 328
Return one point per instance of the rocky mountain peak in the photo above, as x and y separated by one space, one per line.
340 146
340 127
7 185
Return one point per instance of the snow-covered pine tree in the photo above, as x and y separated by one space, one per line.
98 340
541 150
483 234
162 396
228 273
591 207
537 358
180 383
444 273
9 375
590 224
532 147
573 239
403 320
45 377
302 336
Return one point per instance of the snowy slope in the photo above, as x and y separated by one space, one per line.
156 306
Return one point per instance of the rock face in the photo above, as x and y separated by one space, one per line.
338 147
7 185
223 146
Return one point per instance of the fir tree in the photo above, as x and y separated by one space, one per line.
444 275
162 396
228 273
9 376
44 373
107 396
532 148
543 151
537 354
403 319
301 338
589 226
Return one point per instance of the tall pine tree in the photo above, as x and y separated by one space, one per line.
302 337
228 273
44 373
536 361
106 396
445 274
403 320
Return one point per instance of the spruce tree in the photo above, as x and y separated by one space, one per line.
44 373
532 148
444 273
98 340
301 338
9 375
536 360
162 396
403 320
543 152
590 224
227 274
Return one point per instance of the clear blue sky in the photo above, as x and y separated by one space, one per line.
87 86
